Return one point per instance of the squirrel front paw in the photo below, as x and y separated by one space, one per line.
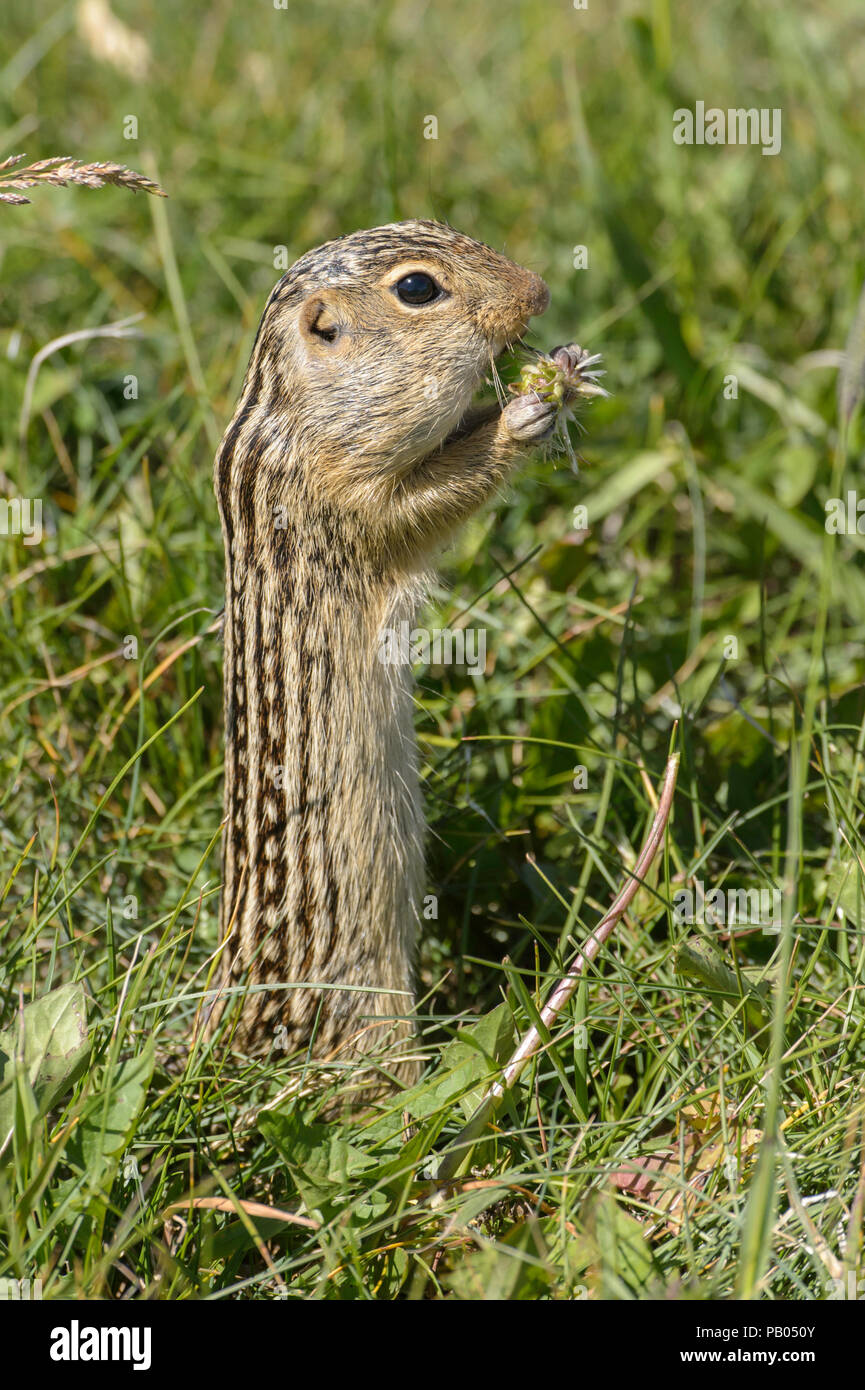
529 419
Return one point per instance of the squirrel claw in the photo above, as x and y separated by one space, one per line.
530 419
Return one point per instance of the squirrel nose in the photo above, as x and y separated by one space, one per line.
537 294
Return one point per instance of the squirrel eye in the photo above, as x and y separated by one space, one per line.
417 288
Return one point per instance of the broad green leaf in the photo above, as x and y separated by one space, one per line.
48 1044
111 1117
320 1161
467 1064
516 1267
699 959
625 1257
847 889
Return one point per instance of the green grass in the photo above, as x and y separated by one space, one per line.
705 537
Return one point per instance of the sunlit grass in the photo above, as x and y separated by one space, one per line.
664 1142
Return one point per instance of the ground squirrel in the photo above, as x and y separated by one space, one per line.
353 454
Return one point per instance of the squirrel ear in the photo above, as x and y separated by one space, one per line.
319 320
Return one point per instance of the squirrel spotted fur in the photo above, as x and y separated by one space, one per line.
352 456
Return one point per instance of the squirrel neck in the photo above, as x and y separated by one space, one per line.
323 838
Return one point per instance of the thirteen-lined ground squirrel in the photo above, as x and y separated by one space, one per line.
352 456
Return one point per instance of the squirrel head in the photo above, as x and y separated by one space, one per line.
371 347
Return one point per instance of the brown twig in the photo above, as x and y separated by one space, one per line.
257 1209
448 1162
